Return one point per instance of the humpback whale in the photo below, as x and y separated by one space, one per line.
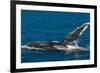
60 45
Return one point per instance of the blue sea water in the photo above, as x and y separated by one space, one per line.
52 26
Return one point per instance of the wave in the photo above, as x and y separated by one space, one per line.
25 46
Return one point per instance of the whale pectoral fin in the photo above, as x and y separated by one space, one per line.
76 33
71 37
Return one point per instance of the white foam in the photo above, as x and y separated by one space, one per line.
28 47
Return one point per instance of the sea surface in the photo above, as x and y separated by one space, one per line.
52 26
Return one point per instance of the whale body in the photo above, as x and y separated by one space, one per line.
63 45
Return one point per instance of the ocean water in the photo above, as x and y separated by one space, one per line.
52 26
